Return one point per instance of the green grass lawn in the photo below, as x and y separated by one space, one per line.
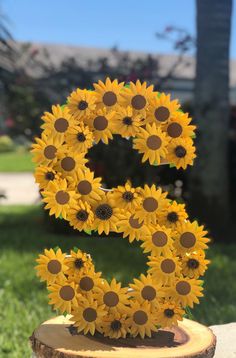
16 162
23 299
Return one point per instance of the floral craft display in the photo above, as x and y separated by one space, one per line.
162 133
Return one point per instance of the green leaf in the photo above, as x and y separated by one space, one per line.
89 232
56 248
75 249
188 313
60 217
193 136
180 110
127 85
171 165
158 94
63 106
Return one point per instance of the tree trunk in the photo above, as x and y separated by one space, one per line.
209 176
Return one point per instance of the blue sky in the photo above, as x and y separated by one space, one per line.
129 24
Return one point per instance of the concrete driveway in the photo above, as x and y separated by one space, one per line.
19 188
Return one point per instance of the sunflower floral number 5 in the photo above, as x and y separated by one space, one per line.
162 133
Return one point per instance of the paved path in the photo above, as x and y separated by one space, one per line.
19 188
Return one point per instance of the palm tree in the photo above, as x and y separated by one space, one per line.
209 176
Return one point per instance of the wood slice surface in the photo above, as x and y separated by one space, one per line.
56 338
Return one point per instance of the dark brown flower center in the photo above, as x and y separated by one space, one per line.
127 121
172 217
62 197
54 266
162 114
82 215
168 266
61 125
180 151
81 137
128 196
193 264
148 293
169 312
183 288
68 164
100 123
154 142
109 98
86 283
187 239
111 299
90 314
104 212
140 317
67 293
159 238
50 152
174 130
49 176
82 105
138 102
115 325
150 204
79 263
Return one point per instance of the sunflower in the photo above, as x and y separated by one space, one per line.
63 296
181 152
78 263
140 319
81 103
185 291
131 227
79 138
194 264
69 161
169 313
152 143
153 201
45 150
108 93
101 124
159 242
86 186
58 198
80 216
58 122
190 237
88 283
114 325
87 317
179 125
173 214
137 96
51 266
127 122
112 295
126 197
148 290
164 268
44 175
161 109
106 215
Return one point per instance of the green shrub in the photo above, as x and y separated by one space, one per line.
6 144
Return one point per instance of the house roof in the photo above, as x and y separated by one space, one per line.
56 54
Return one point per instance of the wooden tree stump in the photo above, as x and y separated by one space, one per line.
56 338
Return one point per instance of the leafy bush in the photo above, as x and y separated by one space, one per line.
6 144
